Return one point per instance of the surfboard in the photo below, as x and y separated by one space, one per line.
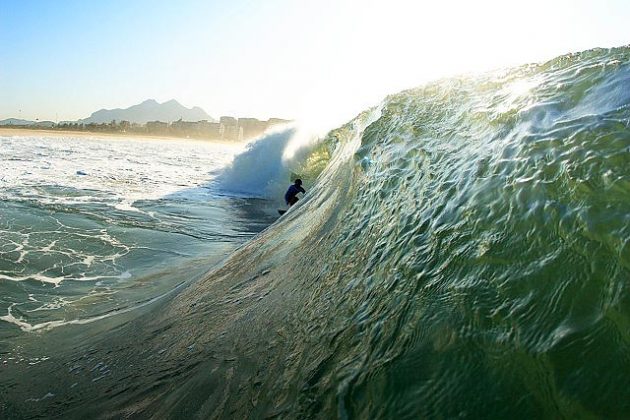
281 212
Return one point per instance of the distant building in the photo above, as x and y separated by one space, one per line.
157 127
227 129
252 127
209 130
276 121
230 131
183 127
228 121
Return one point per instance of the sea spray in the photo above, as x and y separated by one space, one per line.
463 254
272 162
77 248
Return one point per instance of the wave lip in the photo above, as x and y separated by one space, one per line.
473 238
464 253
257 171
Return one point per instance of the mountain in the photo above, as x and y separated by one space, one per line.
17 121
149 110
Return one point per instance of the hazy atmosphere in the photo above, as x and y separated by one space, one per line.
286 59
314 210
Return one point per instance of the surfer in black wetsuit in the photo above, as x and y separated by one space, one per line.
291 195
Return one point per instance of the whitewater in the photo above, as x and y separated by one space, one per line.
462 251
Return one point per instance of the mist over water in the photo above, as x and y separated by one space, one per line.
462 251
266 167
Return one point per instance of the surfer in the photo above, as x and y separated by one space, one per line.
291 195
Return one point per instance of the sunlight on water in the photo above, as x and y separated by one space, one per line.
464 253
85 221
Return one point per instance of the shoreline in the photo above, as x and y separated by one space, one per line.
25 132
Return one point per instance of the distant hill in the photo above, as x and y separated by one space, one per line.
149 110
17 121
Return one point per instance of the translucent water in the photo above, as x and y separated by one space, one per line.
463 254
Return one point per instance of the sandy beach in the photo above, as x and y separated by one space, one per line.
25 132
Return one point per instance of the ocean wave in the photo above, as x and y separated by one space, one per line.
464 253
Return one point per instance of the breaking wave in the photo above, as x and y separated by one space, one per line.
464 253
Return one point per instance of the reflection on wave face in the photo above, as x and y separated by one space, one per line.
463 254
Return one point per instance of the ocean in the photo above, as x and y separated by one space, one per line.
463 250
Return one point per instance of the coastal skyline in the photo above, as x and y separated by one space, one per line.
328 60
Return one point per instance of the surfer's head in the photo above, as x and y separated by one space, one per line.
298 181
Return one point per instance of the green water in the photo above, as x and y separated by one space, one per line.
464 254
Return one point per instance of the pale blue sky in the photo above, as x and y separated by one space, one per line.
65 59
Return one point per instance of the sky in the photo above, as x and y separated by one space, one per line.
63 60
